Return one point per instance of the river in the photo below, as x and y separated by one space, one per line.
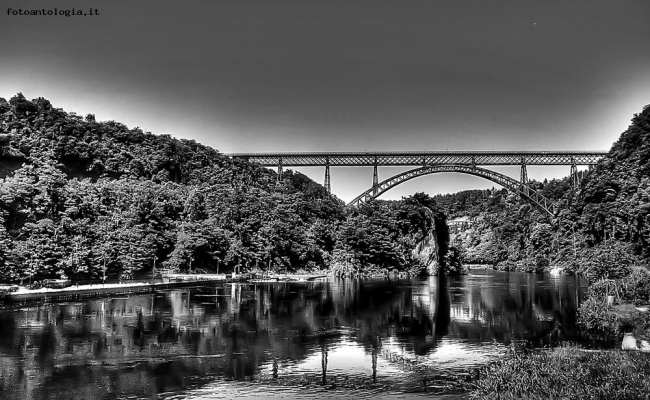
334 338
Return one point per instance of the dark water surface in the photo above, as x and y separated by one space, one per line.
336 338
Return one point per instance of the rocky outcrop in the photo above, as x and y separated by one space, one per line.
427 252
434 252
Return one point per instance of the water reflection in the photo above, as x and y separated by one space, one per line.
342 336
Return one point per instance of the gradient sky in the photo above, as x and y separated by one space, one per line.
344 75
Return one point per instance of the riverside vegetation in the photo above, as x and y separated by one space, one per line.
89 200
603 233
566 372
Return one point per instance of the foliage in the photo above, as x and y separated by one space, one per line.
612 203
600 228
97 199
502 230
610 261
567 373
383 236
636 287
597 317
631 289
453 262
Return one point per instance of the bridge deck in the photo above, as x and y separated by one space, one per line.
423 158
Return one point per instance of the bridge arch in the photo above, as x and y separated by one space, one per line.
507 182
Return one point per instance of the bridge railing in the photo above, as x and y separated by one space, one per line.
415 158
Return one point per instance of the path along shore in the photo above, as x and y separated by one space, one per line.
76 292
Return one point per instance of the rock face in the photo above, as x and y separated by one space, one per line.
428 252
434 251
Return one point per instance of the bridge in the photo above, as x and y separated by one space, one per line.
429 162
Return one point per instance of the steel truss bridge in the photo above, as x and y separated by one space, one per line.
429 162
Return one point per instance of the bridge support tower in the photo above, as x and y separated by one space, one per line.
523 176
279 170
327 185
375 179
575 179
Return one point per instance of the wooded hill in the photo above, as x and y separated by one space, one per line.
605 221
87 199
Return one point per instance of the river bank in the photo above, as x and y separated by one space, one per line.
171 281
613 307
78 292
566 372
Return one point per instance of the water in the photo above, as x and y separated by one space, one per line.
334 338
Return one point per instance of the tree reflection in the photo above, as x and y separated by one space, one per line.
142 345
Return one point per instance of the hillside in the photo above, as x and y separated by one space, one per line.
502 230
93 198
613 202
606 218
87 199
409 235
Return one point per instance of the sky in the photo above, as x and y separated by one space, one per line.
343 75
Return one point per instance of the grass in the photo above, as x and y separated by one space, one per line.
566 372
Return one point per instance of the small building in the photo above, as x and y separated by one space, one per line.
460 223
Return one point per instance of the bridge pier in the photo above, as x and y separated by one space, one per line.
575 179
375 179
279 171
523 177
327 185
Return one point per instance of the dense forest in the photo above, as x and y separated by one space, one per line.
502 231
84 199
603 222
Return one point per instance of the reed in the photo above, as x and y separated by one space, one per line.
567 372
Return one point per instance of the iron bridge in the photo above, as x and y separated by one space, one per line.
428 162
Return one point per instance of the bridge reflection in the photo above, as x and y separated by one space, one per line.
145 345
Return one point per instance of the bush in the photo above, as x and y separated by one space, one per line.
454 265
541 263
597 317
506 265
632 289
612 261
571 267
636 287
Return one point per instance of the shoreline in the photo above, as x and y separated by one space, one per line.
170 281
78 292
92 291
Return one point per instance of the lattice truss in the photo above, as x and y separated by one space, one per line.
503 180
432 162
424 158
